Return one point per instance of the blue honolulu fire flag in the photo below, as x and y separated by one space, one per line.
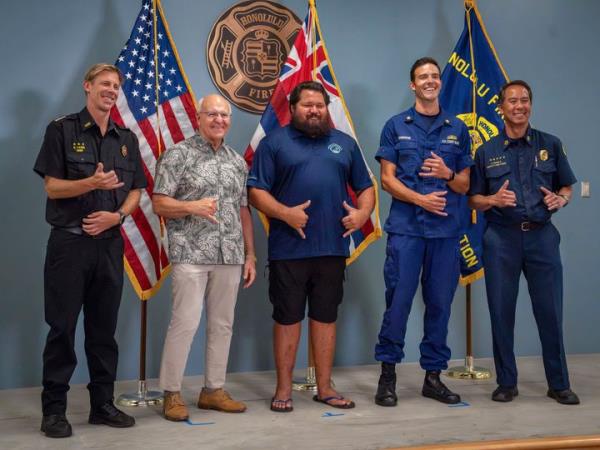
471 83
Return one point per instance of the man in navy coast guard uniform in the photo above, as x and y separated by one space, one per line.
520 178
93 176
425 161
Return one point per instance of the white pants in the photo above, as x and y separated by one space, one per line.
194 284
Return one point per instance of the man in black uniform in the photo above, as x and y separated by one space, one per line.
93 176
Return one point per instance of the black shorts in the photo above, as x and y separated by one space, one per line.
293 281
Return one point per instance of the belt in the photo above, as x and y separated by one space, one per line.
110 233
528 226
73 230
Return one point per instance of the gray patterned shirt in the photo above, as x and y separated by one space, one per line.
192 170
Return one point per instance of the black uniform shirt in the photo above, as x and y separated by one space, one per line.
72 149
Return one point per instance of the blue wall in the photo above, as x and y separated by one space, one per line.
47 46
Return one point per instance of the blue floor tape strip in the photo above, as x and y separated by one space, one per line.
459 405
189 422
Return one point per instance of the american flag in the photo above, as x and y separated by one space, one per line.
308 60
151 67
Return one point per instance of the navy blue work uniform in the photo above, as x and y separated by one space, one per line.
522 238
294 168
420 242
82 270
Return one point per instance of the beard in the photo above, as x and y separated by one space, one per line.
312 129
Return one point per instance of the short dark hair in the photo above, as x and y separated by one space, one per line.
307 86
421 62
515 83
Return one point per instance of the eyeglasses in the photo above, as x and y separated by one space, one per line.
214 114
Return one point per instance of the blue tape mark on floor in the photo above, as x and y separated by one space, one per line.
330 414
459 405
189 422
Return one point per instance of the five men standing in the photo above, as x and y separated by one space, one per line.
93 175
425 158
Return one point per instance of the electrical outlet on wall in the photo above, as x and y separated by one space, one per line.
585 189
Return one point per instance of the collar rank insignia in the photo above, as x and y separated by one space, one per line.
87 125
124 151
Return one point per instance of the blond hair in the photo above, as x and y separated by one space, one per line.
96 69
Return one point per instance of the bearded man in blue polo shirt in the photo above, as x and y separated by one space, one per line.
425 161
299 180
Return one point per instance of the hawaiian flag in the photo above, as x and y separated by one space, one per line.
157 104
471 82
308 60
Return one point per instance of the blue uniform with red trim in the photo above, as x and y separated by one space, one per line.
420 242
523 239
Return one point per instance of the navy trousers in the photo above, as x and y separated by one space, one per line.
508 251
437 262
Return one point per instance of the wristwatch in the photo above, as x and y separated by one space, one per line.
566 197
121 216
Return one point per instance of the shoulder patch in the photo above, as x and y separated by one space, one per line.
65 117
124 128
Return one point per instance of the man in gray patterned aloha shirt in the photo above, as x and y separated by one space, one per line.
200 188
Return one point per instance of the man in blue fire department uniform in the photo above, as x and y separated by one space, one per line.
425 163
520 178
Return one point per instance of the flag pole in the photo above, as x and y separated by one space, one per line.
144 397
309 383
469 371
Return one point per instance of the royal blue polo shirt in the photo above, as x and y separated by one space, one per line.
407 139
294 168
537 159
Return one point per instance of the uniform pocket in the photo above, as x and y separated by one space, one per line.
496 176
449 153
543 172
408 159
80 165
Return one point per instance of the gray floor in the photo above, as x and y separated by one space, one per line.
416 420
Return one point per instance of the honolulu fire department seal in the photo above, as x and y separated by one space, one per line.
246 49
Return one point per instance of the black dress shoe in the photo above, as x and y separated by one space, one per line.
56 426
435 389
108 414
386 389
505 394
565 397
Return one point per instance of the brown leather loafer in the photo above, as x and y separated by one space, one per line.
219 400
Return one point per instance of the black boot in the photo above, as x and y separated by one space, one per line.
434 388
386 389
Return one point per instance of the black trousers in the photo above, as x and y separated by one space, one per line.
81 272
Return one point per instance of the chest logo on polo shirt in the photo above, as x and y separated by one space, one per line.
543 155
124 151
79 147
335 148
